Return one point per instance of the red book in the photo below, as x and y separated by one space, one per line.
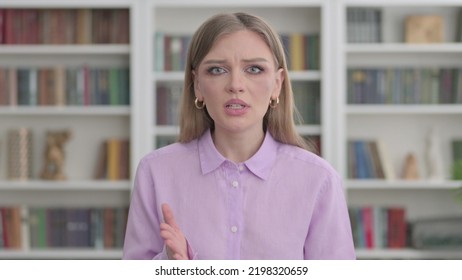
396 228
2 25
368 223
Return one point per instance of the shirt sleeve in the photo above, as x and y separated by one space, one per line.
142 235
329 235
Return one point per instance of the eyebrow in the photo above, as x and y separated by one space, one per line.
221 61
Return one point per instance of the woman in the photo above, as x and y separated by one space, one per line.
240 183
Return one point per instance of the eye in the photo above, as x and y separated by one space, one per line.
215 70
255 69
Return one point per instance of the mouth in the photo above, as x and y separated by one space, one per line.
235 106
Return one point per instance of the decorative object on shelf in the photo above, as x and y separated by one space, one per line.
20 154
437 233
411 168
53 168
433 154
424 29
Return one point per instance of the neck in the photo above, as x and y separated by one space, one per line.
237 147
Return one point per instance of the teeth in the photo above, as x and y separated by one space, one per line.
235 106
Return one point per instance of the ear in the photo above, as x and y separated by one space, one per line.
279 79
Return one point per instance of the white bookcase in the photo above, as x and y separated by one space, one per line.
403 128
89 125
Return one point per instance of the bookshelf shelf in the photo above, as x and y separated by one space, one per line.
374 184
166 130
65 49
66 253
408 254
238 3
401 109
378 48
294 75
309 129
89 111
305 75
168 76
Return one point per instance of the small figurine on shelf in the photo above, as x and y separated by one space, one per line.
411 170
53 168
434 156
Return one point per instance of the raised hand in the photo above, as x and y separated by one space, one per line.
173 237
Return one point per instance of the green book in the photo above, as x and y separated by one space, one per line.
114 95
457 159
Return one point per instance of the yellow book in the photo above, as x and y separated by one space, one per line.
113 159
297 52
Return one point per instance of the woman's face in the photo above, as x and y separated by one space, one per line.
236 80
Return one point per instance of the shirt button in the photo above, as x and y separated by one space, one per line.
235 184
234 229
241 167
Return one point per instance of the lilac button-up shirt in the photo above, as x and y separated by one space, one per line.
282 203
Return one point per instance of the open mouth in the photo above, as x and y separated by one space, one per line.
235 106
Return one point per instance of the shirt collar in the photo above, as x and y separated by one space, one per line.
259 164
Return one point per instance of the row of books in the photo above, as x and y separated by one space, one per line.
77 227
379 227
168 102
456 159
64 86
367 159
113 162
404 86
307 100
64 26
364 25
302 50
10 228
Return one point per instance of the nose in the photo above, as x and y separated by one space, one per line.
235 83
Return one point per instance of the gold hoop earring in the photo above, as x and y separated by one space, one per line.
274 103
199 104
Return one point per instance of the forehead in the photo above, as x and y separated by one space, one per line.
244 42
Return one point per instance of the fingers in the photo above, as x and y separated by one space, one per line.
174 240
168 215
172 235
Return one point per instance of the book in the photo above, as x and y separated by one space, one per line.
456 147
458 37
20 154
397 227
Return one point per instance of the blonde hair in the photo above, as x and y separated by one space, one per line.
279 121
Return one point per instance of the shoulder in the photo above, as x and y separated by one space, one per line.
169 153
306 159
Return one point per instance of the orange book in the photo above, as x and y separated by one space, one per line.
15 229
297 52
113 159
